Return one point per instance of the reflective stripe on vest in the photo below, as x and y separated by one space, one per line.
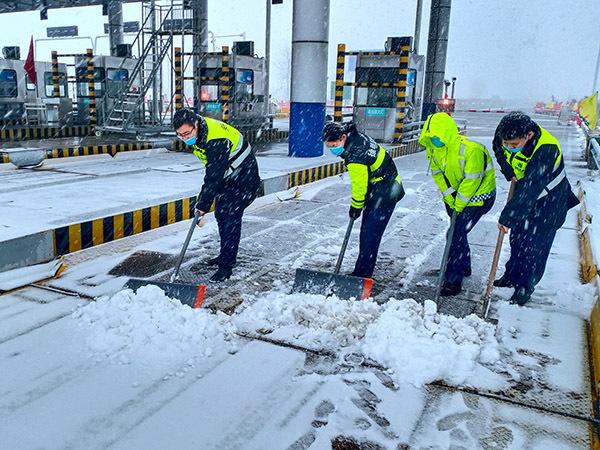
220 130
519 162
377 164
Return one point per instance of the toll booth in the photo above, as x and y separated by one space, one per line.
22 101
388 89
232 87
111 78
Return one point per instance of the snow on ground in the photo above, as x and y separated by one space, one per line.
416 343
148 324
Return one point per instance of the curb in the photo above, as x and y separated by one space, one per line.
589 273
113 149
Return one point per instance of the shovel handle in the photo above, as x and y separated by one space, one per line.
444 264
185 246
487 295
344 245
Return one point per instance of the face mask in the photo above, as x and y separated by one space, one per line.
437 142
190 141
337 151
514 150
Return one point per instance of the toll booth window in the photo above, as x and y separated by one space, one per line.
211 73
376 97
49 84
8 83
116 81
82 84
245 84
209 93
30 84
411 78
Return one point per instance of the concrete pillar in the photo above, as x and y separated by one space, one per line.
200 45
439 24
115 24
310 40
418 26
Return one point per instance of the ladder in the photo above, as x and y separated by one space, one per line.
128 111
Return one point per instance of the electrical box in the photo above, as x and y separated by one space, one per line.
243 48
123 51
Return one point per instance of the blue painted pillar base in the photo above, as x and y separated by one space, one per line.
306 128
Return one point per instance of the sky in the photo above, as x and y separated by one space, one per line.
511 49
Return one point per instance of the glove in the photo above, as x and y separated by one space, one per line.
354 213
197 211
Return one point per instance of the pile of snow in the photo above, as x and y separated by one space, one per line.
149 323
311 320
420 346
416 343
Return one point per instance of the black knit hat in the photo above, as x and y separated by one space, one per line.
516 125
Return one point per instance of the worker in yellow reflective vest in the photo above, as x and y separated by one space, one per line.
376 187
531 157
231 178
464 172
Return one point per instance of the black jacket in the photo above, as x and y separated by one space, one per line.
361 149
550 211
244 181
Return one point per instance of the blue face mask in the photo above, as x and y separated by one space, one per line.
437 142
337 151
190 141
514 150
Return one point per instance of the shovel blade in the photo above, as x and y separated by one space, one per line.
188 294
324 283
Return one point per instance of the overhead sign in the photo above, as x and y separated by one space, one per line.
128 27
55 32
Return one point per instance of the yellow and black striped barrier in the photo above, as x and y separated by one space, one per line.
312 174
252 137
106 149
25 133
79 236
87 150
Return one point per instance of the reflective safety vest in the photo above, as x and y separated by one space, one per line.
363 176
220 130
519 161
455 181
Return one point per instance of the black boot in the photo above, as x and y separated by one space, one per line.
468 271
221 274
503 281
211 261
521 295
449 289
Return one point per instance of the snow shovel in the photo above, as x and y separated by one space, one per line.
487 294
342 286
188 294
450 235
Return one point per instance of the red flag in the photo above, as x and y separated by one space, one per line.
30 64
